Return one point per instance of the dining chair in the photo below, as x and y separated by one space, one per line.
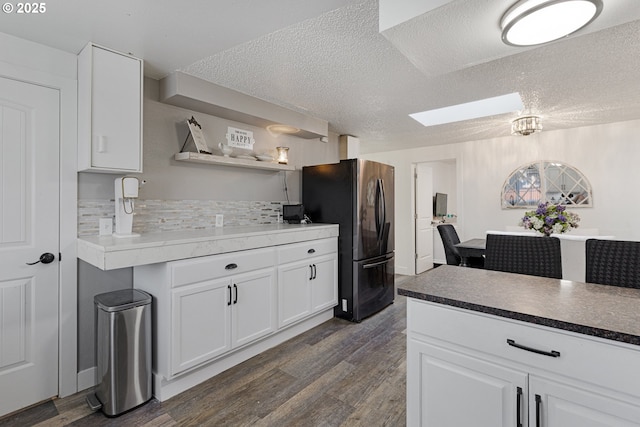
450 237
612 262
536 256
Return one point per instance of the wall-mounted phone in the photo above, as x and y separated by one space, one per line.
126 191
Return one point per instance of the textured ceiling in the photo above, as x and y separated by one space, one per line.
327 59
338 67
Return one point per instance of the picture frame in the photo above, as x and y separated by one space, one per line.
195 130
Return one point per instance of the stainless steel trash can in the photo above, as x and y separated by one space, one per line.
123 350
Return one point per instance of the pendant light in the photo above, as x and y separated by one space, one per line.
534 22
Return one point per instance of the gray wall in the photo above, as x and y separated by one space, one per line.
165 130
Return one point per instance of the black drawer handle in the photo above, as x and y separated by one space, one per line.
519 407
311 251
538 410
551 353
230 266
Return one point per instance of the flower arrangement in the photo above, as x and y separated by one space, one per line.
550 218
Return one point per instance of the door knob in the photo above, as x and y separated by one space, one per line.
45 258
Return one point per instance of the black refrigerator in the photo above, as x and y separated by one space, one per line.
359 196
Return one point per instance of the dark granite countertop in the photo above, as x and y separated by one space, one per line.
608 312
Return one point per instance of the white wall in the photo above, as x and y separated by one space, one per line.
606 154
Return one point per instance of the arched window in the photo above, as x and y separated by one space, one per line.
546 181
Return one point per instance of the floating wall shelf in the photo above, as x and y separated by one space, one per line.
211 159
186 91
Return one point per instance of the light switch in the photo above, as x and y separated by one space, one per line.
219 220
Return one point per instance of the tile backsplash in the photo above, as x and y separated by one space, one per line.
152 216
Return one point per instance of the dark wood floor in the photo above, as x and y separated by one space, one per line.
337 374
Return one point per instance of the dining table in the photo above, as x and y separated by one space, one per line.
470 248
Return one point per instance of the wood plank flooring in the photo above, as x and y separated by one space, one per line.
337 374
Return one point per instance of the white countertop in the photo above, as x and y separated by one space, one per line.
108 252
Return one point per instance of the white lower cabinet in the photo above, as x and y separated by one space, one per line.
555 404
450 389
467 369
307 277
214 317
200 325
213 312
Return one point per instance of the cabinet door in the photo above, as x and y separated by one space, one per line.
110 122
450 389
253 310
294 292
554 404
200 328
324 283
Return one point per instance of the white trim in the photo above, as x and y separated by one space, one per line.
31 70
87 378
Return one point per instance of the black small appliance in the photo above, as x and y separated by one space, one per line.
293 214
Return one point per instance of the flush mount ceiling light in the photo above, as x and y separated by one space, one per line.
526 125
280 129
533 22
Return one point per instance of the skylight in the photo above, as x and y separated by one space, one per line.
471 110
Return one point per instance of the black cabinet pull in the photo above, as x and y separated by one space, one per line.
229 301
235 288
310 271
519 407
538 409
315 272
551 353
230 266
311 251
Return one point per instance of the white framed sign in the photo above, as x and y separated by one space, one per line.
198 136
240 138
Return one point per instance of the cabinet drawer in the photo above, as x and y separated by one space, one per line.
217 266
304 250
587 359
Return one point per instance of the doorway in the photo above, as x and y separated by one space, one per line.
29 243
444 178
423 185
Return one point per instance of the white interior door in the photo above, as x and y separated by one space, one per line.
29 227
424 216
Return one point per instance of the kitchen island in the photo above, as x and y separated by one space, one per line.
487 348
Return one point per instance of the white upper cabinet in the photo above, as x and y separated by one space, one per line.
109 111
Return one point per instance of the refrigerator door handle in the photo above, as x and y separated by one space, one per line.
376 264
377 209
384 209
380 210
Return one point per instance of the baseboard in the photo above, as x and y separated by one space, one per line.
87 378
402 270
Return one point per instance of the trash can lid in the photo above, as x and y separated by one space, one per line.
121 300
